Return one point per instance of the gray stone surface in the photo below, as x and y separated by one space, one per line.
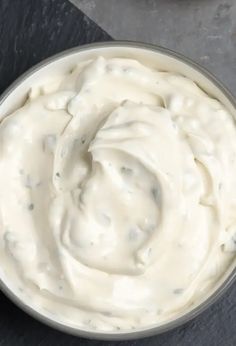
204 30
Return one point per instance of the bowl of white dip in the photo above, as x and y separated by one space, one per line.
117 190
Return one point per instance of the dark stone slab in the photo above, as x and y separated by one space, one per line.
32 30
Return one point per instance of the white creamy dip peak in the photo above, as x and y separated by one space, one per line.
117 195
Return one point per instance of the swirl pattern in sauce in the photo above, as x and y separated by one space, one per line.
117 195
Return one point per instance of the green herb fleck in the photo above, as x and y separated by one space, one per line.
234 239
126 170
83 139
107 313
178 291
31 206
155 192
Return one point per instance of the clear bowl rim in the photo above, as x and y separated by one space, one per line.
154 330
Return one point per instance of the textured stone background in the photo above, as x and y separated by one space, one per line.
204 30
31 30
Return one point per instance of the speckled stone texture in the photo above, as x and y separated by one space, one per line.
31 30
204 30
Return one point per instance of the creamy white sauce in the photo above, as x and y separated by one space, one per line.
117 196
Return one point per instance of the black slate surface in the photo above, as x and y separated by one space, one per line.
31 30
